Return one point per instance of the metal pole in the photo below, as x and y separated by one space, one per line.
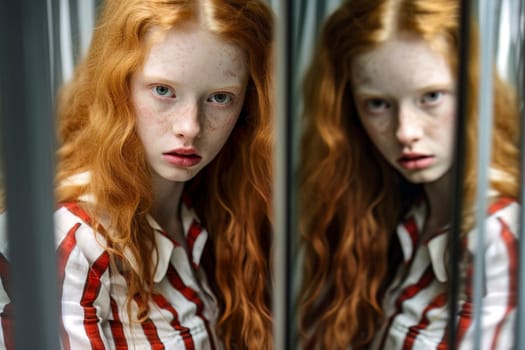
283 179
520 318
485 106
454 242
27 135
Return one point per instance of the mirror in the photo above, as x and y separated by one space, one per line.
377 232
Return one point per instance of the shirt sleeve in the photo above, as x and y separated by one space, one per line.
6 306
499 294
84 282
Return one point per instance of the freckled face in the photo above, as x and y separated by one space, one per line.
187 99
404 93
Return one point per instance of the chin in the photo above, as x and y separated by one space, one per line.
421 178
185 177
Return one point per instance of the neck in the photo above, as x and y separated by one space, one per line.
166 200
438 196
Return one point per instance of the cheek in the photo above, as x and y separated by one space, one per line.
222 127
377 137
379 130
448 125
222 121
443 135
148 118
218 132
448 137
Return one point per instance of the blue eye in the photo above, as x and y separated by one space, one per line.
163 91
220 98
431 97
376 104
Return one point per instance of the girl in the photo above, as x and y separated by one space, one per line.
164 179
380 123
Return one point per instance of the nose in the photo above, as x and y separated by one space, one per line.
409 128
186 122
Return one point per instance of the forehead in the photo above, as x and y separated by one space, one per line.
401 61
191 47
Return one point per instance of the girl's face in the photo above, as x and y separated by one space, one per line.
404 94
187 99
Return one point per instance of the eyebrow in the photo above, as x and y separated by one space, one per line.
164 80
365 90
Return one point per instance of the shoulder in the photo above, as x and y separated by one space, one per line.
501 224
4 248
74 234
504 213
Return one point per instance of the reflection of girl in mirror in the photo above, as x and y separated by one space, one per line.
166 153
376 177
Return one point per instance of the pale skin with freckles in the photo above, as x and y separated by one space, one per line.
405 98
187 98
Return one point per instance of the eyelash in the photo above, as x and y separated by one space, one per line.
371 104
155 90
229 98
167 92
376 105
435 97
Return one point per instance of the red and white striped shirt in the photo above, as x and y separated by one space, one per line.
94 315
6 306
415 304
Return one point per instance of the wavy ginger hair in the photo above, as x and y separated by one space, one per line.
351 199
232 195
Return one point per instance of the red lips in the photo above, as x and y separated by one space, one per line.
182 157
415 161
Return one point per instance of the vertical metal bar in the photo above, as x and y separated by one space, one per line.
520 318
74 27
454 242
66 43
300 17
86 23
485 107
282 198
54 44
27 126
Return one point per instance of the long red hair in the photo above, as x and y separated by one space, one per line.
232 194
350 199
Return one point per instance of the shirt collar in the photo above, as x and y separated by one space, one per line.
437 247
196 235
409 232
